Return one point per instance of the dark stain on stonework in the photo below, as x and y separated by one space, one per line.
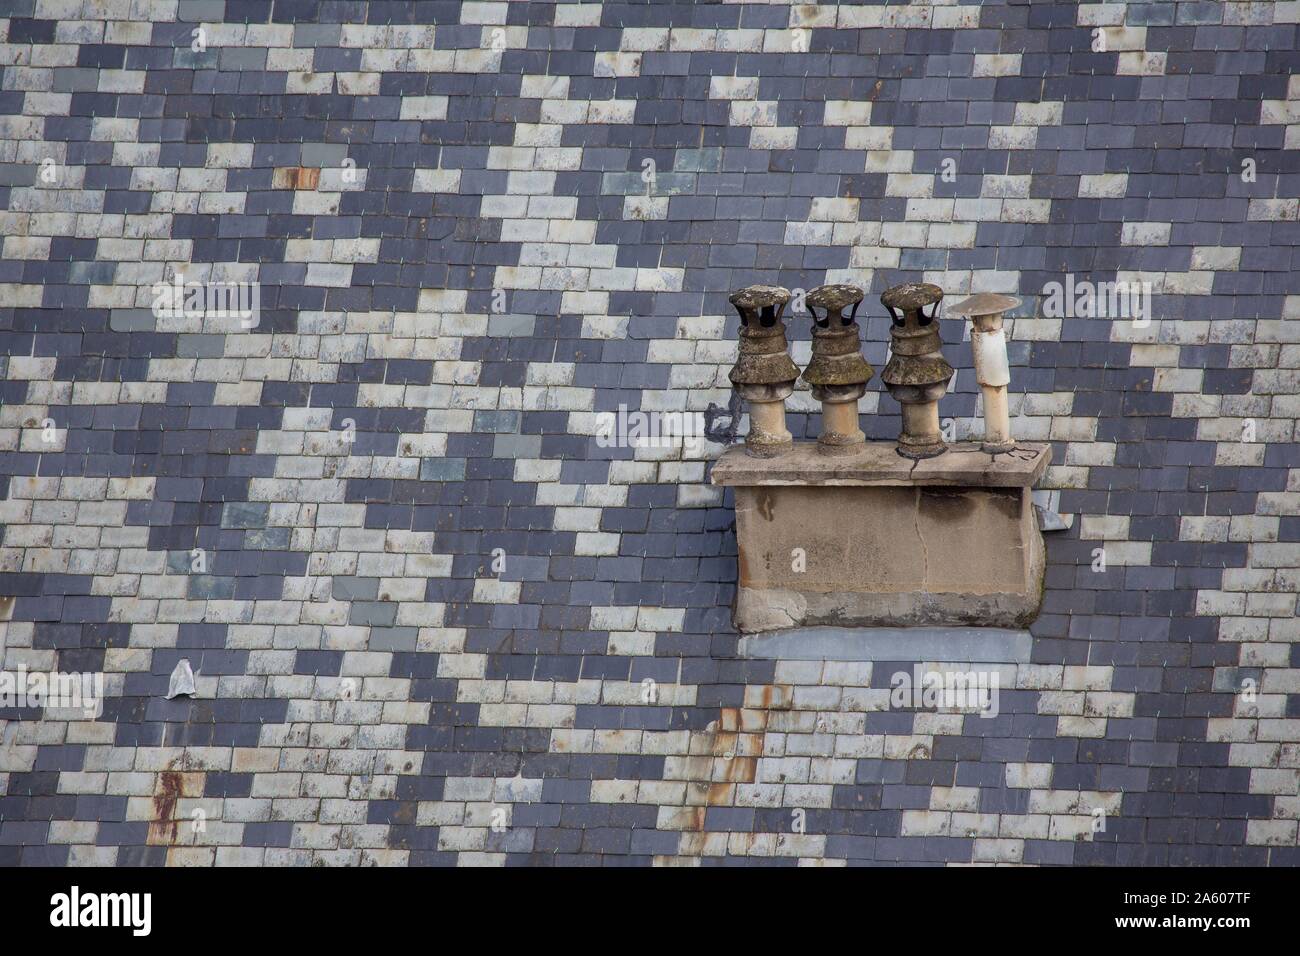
953 503
722 425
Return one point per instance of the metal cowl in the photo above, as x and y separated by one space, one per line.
988 343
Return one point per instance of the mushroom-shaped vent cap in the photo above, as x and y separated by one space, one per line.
834 298
911 296
985 303
759 297
760 305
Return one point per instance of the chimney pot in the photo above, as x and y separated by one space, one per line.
764 374
917 374
992 371
838 373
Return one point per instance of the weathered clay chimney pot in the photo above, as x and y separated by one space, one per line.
838 373
764 374
917 375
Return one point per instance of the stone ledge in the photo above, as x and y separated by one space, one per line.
956 645
880 465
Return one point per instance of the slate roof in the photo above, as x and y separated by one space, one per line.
460 263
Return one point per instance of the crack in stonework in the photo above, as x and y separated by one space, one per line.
925 552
